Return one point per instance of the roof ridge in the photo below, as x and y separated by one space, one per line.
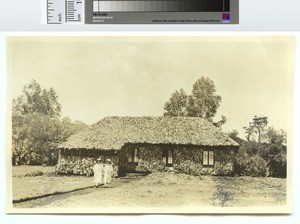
113 131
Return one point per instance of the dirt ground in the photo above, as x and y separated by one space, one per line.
155 190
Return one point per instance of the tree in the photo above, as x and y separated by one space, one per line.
203 102
36 100
69 128
256 128
273 136
271 146
36 128
234 134
177 104
35 138
277 151
221 122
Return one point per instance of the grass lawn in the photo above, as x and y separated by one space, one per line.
47 183
155 190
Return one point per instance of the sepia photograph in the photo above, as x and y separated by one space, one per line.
149 124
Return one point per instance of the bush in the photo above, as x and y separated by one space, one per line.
224 169
34 174
150 167
246 165
80 167
192 168
277 166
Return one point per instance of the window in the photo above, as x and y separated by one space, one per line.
133 156
208 158
168 157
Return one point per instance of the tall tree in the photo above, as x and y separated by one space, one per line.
204 101
36 100
35 138
256 128
177 104
36 126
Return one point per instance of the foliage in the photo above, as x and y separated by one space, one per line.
277 166
34 174
36 100
82 166
223 169
255 166
221 122
234 134
150 167
258 159
69 128
256 128
273 136
203 102
36 126
192 168
177 104
269 147
246 165
35 138
277 161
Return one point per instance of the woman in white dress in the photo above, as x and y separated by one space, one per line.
108 169
98 172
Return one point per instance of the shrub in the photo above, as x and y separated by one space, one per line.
277 166
150 167
224 169
254 166
80 167
34 174
192 168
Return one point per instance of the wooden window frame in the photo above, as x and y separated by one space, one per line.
208 158
133 155
166 154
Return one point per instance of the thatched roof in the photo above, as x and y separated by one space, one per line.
114 132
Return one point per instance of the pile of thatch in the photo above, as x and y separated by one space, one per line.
114 132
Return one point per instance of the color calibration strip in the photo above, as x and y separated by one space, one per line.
140 11
162 6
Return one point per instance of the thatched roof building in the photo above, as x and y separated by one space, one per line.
150 143
114 132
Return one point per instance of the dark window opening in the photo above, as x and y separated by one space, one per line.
168 157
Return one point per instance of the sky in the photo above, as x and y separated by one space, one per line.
96 77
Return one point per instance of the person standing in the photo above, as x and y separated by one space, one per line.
98 172
108 169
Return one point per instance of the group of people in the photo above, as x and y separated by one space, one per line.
102 172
